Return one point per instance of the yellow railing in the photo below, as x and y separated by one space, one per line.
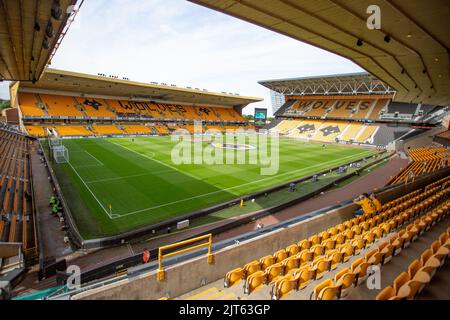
161 255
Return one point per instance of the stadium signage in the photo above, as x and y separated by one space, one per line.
260 117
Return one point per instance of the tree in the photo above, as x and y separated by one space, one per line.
4 104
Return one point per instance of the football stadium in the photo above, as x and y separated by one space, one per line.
114 189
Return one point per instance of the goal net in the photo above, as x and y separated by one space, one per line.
60 154
54 142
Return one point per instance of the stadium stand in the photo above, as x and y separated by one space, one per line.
366 134
363 108
137 129
17 216
317 108
36 131
60 106
347 250
424 160
340 107
329 131
374 113
122 110
29 105
421 271
351 132
67 131
387 134
343 109
401 108
286 125
286 107
94 108
107 130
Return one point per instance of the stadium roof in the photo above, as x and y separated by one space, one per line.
30 33
66 81
350 83
410 52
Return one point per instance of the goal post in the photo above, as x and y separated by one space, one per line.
60 154
55 142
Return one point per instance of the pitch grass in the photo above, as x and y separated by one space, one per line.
116 185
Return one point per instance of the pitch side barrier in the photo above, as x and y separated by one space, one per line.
73 233
119 266
162 226
320 218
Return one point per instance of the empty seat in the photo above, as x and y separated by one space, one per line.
284 286
344 280
234 276
387 293
254 282
325 291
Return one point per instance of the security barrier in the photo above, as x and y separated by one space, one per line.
161 255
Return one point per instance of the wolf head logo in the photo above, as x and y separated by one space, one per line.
330 130
306 128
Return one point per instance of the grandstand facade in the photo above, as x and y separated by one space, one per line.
350 108
18 223
72 107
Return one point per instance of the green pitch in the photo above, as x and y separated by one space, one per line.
116 185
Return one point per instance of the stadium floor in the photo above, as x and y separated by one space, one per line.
118 184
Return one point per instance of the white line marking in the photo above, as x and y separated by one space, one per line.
234 187
162 163
89 189
88 166
95 158
130 176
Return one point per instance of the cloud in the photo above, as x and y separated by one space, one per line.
185 44
4 90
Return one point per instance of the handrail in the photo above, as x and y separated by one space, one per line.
161 255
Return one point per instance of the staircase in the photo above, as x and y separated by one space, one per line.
79 107
41 105
343 132
355 110
284 107
363 127
369 113
109 108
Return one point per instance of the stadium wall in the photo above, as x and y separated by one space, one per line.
194 273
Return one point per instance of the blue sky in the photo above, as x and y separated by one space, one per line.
178 42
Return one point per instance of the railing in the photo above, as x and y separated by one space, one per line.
161 255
